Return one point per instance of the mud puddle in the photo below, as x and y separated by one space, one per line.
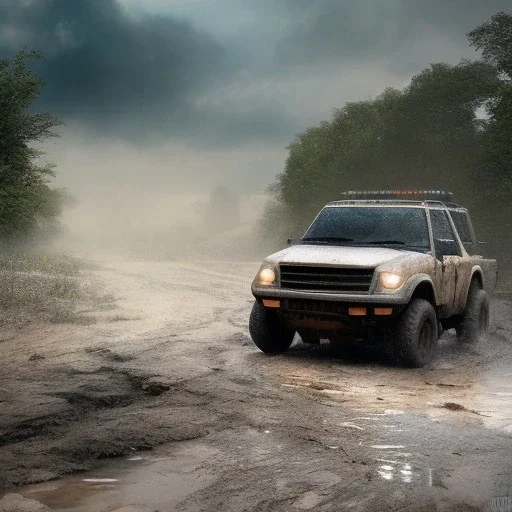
495 399
142 481
393 455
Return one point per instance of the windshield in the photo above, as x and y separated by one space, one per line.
360 225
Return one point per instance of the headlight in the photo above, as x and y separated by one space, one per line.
390 281
267 277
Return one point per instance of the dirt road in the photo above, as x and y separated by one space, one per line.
184 413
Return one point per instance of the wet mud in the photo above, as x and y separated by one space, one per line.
173 408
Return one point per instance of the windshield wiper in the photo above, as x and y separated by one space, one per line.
327 239
384 242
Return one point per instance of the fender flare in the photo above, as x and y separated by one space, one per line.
417 280
475 271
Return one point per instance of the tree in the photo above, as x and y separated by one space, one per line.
27 203
426 135
494 39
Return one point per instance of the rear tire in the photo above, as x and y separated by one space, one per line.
267 331
475 322
414 336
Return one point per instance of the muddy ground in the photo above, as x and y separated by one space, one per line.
165 404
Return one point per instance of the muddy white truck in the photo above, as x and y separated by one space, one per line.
389 267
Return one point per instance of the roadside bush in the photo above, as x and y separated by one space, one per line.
42 287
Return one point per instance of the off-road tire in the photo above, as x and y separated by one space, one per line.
475 321
414 335
268 332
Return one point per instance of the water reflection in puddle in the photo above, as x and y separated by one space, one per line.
402 471
495 399
395 471
394 460
144 483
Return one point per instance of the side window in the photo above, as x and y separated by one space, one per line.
460 219
444 237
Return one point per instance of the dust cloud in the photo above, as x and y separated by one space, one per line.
163 203
161 225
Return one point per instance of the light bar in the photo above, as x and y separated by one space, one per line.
418 195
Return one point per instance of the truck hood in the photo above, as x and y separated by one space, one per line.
367 257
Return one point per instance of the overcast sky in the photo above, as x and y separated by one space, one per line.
184 94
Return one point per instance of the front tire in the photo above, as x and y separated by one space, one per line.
414 336
268 332
475 322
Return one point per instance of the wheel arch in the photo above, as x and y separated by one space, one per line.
424 288
477 276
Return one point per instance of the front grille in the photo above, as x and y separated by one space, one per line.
326 279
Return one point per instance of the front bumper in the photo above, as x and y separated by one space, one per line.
400 297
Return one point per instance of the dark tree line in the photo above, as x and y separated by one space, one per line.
494 165
427 135
28 204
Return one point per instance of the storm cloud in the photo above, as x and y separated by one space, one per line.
141 78
222 84
221 73
344 31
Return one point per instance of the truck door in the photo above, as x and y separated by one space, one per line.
462 223
450 263
464 227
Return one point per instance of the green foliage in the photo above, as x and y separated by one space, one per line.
277 224
494 38
426 135
46 286
27 203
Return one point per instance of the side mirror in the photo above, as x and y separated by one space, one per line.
293 241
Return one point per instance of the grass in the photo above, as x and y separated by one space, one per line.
41 286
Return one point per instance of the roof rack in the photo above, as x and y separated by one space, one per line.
418 195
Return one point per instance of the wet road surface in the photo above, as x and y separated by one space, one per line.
184 413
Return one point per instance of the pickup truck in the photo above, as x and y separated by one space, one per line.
395 267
